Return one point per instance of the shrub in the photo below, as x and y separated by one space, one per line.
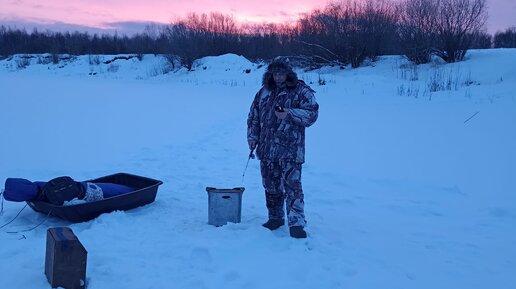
506 39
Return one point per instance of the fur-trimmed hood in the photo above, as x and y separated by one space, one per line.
279 63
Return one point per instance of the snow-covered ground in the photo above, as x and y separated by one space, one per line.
405 187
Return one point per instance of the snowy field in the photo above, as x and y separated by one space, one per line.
410 178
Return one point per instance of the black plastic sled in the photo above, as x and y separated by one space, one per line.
144 193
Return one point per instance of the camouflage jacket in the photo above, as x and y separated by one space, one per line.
282 139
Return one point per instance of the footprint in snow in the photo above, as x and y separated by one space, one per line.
200 255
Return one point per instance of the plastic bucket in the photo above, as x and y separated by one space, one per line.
224 205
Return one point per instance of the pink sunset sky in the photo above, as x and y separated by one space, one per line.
131 16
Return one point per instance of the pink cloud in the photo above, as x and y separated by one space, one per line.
96 13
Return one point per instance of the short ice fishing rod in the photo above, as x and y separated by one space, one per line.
251 156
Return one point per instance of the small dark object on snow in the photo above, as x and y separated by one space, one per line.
65 260
297 232
273 224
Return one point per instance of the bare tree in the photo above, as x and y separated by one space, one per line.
201 35
322 34
416 30
482 40
379 21
335 35
266 40
458 22
506 39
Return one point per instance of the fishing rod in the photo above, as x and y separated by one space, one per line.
251 156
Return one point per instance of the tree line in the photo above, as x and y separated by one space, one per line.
341 33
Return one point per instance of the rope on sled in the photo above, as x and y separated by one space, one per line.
2 197
30 229
14 217
21 231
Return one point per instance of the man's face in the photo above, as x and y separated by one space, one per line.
280 77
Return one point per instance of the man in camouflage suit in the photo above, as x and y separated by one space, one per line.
281 110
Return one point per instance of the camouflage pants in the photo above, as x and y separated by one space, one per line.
282 183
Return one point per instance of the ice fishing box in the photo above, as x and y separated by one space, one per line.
65 259
145 190
224 205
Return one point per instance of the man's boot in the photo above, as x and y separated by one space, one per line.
275 203
297 232
273 224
